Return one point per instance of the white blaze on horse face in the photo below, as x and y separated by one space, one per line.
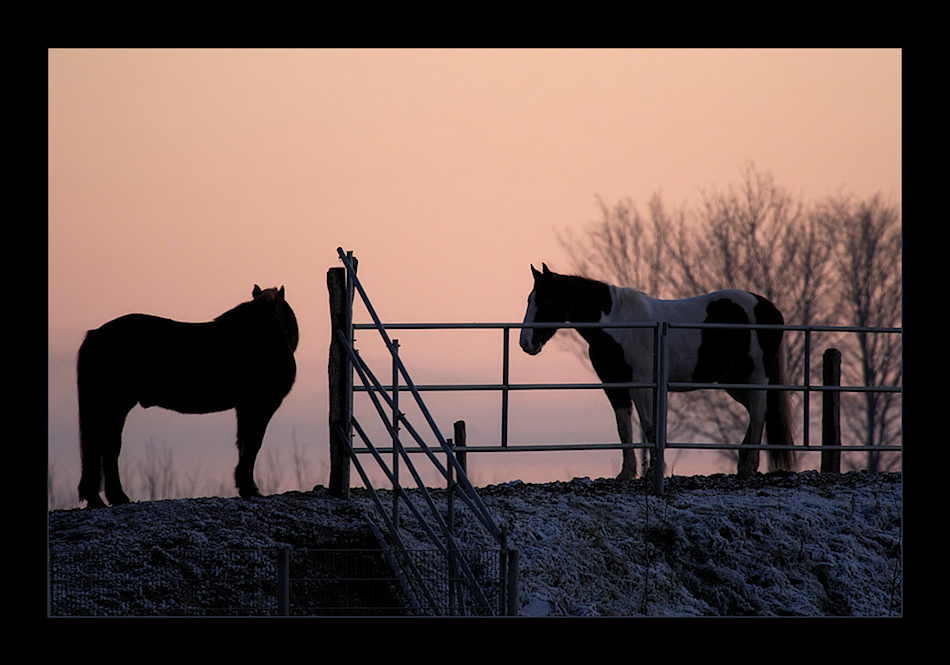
527 334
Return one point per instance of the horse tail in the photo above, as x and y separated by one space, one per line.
778 415
90 442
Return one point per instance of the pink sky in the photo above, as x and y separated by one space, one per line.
179 179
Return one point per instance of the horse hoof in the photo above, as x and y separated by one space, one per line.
627 474
250 494
120 500
94 503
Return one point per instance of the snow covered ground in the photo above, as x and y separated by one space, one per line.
802 544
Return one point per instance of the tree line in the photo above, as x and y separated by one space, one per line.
834 262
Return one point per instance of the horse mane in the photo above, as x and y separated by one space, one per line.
592 294
584 279
269 302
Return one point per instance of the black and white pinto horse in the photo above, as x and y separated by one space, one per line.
242 360
625 355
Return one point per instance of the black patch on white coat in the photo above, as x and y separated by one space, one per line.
608 360
572 299
587 301
724 353
567 299
591 301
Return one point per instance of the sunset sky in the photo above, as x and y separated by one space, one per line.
179 179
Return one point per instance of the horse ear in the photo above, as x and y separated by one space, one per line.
281 291
544 266
534 272
256 292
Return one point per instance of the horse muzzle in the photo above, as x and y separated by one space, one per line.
529 346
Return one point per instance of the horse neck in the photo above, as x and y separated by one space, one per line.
590 300
288 323
261 314
242 311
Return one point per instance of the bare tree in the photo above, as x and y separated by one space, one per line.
157 472
51 501
189 487
301 464
739 239
756 237
622 247
626 249
270 474
871 293
57 497
760 238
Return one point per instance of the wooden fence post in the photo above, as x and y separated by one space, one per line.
831 413
340 381
460 445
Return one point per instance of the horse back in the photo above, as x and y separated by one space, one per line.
700 354
191 367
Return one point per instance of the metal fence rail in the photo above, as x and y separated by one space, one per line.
505 386
660 384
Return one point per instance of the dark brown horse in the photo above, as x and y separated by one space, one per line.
242 360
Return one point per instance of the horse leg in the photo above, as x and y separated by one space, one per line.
755 402
91 480
110 470
252 423
624 417
643 400
101 441
115 495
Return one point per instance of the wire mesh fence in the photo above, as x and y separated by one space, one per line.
163 582
435 585
344 582
231 582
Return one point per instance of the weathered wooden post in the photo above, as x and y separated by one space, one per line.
510 574
453 569
514 582
831 413
460 455
340 380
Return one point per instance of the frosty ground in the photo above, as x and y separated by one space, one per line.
804 544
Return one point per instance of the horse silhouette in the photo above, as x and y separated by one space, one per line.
242 360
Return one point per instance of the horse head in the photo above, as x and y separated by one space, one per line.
281 311
272 294
545 305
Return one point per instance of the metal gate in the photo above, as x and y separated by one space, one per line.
474 581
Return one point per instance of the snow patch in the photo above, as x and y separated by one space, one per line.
803 544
